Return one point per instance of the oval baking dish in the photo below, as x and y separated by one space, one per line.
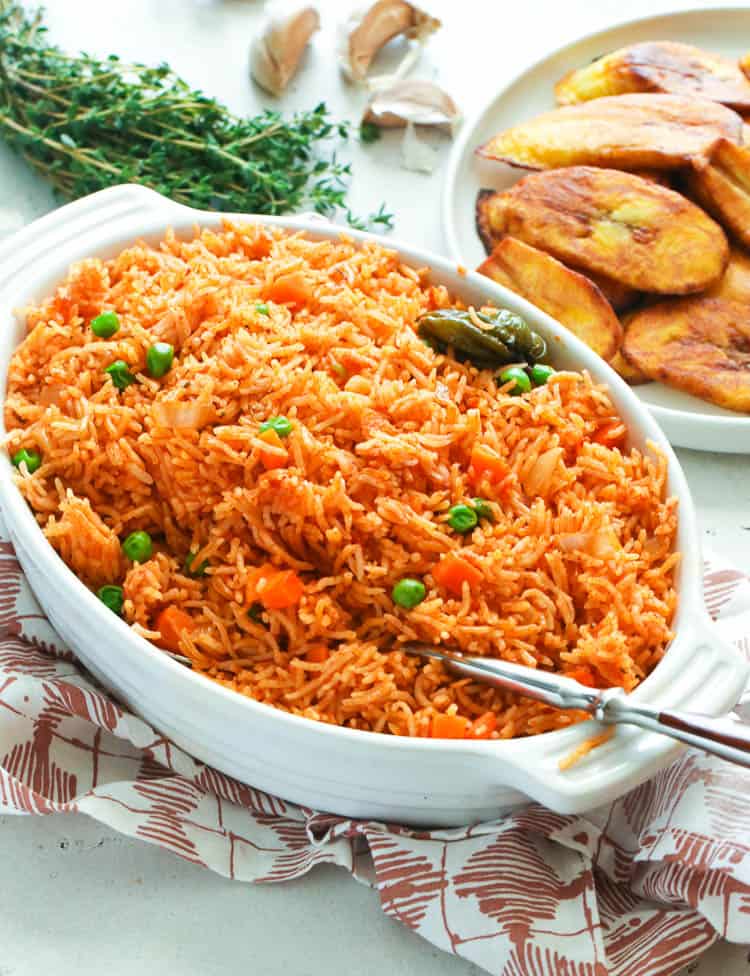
353 773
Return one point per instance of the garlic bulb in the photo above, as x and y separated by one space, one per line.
276 51
368 30
420 102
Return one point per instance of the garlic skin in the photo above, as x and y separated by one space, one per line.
415 101
416 155
276 52
368 30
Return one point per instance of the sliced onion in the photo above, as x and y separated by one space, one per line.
182 413
51 396
542 471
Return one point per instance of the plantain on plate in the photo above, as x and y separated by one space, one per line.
611 223
569 297
630 132
735 282
721 184
658 66
699 345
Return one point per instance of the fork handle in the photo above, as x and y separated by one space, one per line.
725 736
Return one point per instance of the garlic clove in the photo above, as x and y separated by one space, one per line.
415 154
367 31
277 50
420 102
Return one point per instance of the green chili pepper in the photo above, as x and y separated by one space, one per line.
507 338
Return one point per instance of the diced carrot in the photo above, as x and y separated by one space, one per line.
290 289
252 582
317 654
583 674
172 623
483 727
256 247
449 727
485 462
275 588
453 571
270 459
281 590
610 434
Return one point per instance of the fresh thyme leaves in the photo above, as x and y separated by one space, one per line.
86 124
381 220
369 132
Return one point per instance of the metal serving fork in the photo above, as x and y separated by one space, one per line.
724 736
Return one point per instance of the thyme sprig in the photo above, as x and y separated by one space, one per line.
85 124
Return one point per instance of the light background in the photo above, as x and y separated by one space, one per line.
77 898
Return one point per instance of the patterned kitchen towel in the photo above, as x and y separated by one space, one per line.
640 888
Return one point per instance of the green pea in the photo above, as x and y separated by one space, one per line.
262 309
541 373
462 519
199 570
281 425
483 509
159 359
408 593
138 546
32 459
519 377
120 374
111 597
105 325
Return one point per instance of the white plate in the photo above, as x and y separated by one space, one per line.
686 420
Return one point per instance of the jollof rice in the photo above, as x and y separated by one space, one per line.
575 573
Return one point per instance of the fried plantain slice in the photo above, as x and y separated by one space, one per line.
628 132
735 282
489 217
631 375
619 296
611 223
658 66
699 345
660 176
489 221
569 297
722 186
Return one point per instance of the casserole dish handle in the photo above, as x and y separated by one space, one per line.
91 218
711 685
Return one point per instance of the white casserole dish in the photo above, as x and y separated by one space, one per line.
359 774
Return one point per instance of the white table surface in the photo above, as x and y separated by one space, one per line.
78 898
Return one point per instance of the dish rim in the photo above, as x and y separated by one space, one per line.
153 214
